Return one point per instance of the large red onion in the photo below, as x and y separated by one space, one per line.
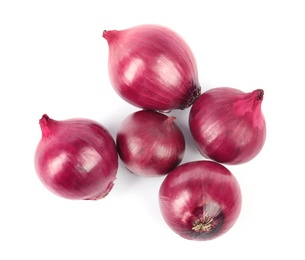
150 143
228 125
200 200
76 158
152 67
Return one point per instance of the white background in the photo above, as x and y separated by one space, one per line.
53 60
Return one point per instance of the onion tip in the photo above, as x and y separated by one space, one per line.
195 94
109 35
260 94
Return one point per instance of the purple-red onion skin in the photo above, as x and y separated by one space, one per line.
150 143
76 158
228 125
152 67
200 200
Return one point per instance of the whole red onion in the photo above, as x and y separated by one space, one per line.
152 67
150 143
76 158
200 200
228 125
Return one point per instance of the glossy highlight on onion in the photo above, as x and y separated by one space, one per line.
76 158
152 67
150 143
200 200
228 125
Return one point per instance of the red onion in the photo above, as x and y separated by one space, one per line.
150 143
200 200
152 67
76 158
228 125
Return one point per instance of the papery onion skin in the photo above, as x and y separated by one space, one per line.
200 200
150 143
228 125
76 158
152 67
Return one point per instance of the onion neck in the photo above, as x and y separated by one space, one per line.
169 121
45 123
249 102
196 94
256 97
110 35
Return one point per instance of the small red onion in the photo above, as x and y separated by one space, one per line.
152 67
228 125
150 143
200 200
76 158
